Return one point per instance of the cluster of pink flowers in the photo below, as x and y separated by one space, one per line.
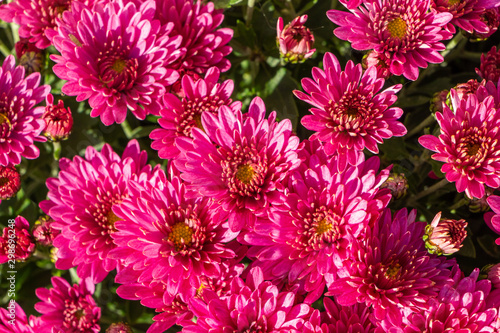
249 226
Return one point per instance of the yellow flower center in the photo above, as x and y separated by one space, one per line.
393 270
245 173
112 218
397 27
197 121
4 119
181 235
453 2
119 65
472 149
323 226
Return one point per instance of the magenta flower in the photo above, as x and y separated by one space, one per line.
348 319
295 40
183 239
35 18
13 319
311 235
10 182
489 69
392 269
406 31
462 306
179 117
68 309
197 22
253 306
20 120
467 144
349 114
492 219
24 244
114 58
80 201
58 120
44 232
239 161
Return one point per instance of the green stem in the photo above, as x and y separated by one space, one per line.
459 204
427 121
452 44
127 129
249 13
443 182
57 150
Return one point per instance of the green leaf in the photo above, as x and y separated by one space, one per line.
226 3
468 249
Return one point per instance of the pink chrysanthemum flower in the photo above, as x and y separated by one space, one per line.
24 243
253 306
80 201
182 239
468 144
44 231
68 309
349 113
461 306
392 269
10 182
492 219
491 17
348 319
35 18
197 22
180 116
114 58
466 13
20 120
489 69
311 235
239 161
13 319
405 31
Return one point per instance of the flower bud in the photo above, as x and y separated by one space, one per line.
29 56
119 328
58 120
491 17
494 275
438 101
489 69
480 205
10 182
398 185
23 245
295 41
444 236
380 61
44 233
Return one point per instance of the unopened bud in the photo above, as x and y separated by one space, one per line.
295 40
444 236
398 185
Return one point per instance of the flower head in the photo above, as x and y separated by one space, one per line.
30 56
405 31
183 239
311 235
489 69
491 17
461 306
254 305
295 41
20 120
35 18
466 14
10 182
58 120
81 202
68 309
23 246
179 117
119 328
203 42
444 236
114 58
494 276
397 184
239 161
348 319
468 144
392 269
380 61
348 111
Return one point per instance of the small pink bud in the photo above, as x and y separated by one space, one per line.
29 56
119 328
380 61
398 185
491 17
58 120
44 233
444 236
489 69
23 245
295 41
10 182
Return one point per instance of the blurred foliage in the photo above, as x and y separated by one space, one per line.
257 71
